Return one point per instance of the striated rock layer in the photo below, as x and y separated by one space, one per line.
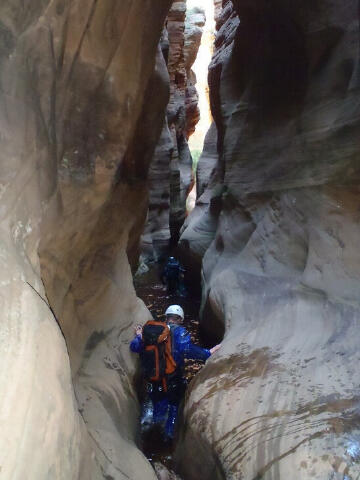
195 21
277 230
170 176
183 113
79 122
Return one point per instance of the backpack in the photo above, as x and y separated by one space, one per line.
157 359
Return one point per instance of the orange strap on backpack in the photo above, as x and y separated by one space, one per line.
170 362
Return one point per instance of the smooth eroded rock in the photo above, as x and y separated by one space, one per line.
73 185
281 268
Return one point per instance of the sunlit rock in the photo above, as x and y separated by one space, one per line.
195 21
170 175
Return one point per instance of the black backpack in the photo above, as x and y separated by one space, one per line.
157 359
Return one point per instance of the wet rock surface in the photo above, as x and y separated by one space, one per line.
276 230
79 121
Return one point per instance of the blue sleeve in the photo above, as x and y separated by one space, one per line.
197 353
186 347
136 344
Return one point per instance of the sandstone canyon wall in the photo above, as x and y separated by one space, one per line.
276 230
83 89
170 175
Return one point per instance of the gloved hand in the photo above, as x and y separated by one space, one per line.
215 349
138 330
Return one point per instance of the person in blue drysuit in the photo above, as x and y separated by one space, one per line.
173 275
167 403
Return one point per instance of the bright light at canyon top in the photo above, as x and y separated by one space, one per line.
200 68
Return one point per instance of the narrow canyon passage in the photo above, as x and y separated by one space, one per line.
152 291
98 104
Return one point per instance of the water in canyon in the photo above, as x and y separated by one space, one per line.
154 294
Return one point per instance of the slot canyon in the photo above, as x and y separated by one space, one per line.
98 104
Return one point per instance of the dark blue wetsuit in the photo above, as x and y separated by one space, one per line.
182 348
171 275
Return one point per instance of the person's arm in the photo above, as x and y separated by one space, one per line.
136 344
197 353
185 345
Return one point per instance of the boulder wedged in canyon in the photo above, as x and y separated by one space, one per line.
77 86
281 269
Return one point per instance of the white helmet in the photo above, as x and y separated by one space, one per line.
175 310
